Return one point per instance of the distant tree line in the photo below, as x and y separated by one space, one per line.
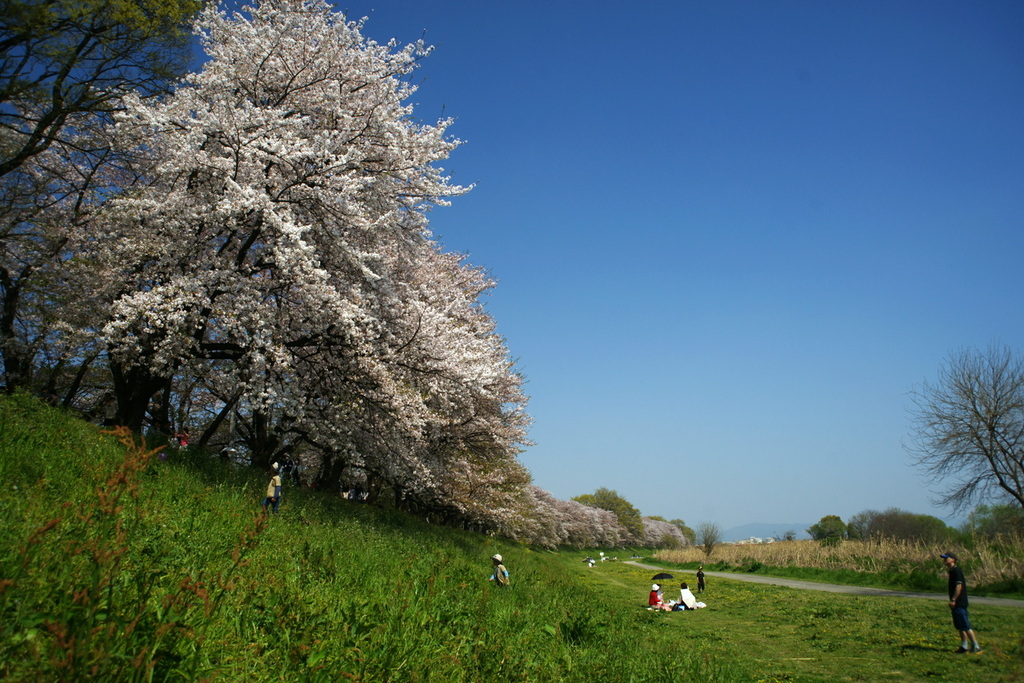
552 523
894 524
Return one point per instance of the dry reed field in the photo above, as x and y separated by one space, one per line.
987 563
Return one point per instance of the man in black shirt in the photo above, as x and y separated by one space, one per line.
958 606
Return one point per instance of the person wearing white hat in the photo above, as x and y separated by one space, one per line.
654 600
500 575
273 498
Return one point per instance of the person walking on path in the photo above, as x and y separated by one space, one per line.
958 606
700 579
273 498
500 575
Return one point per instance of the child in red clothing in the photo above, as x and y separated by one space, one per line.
655 598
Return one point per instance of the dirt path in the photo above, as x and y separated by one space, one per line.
834 588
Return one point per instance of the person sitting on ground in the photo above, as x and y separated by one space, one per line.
686 597
654 599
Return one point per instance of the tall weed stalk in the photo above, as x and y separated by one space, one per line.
82 602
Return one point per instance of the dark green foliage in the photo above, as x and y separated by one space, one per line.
68 57
996 520
751 566
830 529
687 532
896 524
607 499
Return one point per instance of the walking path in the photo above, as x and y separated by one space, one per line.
835 588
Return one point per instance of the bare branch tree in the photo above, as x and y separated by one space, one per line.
969 428
709 535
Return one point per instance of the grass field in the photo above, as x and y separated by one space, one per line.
783 634
120 566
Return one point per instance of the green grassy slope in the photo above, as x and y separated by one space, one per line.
121 566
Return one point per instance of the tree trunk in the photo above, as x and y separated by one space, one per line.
17 366
218 421
134 387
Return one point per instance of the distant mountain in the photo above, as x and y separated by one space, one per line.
764 530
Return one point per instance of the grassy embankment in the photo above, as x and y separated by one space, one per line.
119 566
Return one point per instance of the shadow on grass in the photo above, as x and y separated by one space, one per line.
918 647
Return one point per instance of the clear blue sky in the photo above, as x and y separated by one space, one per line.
731 236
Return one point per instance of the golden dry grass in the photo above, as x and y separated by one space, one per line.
989 563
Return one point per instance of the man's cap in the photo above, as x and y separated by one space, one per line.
950 555
496 557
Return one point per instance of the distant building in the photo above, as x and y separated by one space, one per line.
754 540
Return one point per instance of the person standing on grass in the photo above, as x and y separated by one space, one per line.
273 498
700 579
500 575
958 606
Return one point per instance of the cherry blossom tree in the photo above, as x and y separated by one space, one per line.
661 534
592 527
288 189
276 252
50 302
550 522
539 523
606 499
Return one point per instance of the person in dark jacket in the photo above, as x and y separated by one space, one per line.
958 606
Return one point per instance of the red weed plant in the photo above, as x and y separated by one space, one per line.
87 607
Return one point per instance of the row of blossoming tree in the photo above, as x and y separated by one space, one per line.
245 253
552 523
